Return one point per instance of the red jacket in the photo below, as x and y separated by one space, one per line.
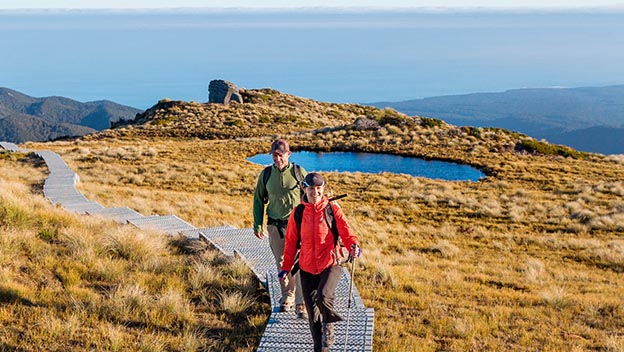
317 240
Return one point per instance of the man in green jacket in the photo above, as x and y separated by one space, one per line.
281 192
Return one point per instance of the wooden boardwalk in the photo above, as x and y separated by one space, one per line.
284 331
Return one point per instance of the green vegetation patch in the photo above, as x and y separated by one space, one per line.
431 122
164 120
533 146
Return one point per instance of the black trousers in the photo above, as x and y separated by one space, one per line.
318 295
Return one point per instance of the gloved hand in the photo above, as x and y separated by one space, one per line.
355 251
282 274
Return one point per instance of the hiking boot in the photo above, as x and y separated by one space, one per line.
328 334
302 313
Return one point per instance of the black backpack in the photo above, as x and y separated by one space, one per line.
296 171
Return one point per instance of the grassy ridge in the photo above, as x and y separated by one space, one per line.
531 258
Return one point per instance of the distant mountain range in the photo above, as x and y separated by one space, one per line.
24 118
588 119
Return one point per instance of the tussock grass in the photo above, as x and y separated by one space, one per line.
203 275
135 247
557 297
445 249
527 259
534 270
234 302
82 284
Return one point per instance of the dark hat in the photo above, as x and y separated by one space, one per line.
279 146
313 179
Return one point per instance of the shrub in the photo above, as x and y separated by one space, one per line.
286 118
164 120
390 116
235 123
475 132
431 122
544 148
48 234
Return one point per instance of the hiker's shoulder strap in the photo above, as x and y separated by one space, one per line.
299 217
296 169
266 174
330 218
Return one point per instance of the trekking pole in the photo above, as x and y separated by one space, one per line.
349 302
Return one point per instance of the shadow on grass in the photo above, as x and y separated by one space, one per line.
4 347
11 295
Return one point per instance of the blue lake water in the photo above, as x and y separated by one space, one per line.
376 163
139 57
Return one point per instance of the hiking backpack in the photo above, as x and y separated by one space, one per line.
295 170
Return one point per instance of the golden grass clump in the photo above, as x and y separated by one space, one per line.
234 302
136 247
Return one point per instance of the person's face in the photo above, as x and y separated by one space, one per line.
280 160
314 193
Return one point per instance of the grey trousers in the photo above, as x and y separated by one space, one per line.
291 286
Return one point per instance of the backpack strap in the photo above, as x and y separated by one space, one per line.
298 175
331 222
265 178
296 169
298 219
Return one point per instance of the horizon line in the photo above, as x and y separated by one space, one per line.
328 8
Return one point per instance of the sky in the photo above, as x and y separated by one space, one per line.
121 4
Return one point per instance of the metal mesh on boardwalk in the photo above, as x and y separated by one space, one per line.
12 147
284 331
121 214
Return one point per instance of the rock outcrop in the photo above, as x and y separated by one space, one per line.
223 92
364 123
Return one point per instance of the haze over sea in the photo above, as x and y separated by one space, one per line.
139 57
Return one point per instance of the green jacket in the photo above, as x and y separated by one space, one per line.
283 194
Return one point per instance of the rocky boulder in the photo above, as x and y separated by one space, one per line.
363 123
223 92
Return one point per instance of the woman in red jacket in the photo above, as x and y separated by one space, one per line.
318 258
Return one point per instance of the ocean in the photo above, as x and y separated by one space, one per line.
139 57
